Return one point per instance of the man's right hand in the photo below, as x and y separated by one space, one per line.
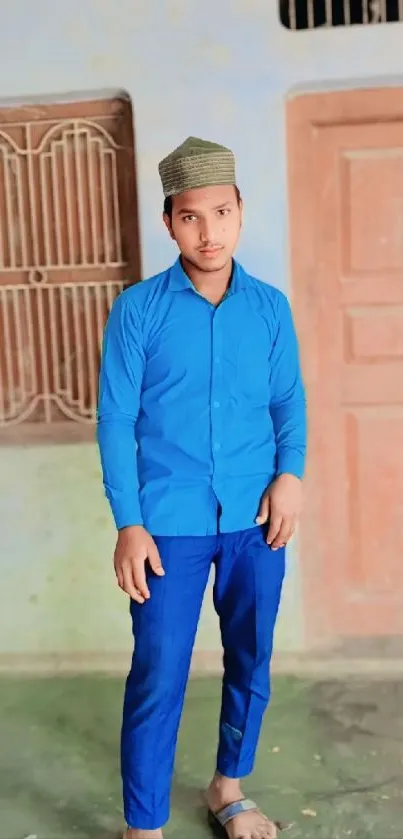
134 548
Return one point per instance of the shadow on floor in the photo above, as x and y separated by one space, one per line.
330 759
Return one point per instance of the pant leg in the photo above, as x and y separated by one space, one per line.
247 592
164 630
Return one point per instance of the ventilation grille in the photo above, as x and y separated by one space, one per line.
311 14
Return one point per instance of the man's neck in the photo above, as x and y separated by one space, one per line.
213 285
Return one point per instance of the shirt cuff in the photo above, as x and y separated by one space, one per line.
127 513
291 462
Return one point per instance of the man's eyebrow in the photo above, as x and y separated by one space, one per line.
190 212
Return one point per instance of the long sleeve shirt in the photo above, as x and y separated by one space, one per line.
200 407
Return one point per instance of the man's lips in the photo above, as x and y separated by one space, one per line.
210 251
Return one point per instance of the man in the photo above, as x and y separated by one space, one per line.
202 439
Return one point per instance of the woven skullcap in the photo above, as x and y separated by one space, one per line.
194 164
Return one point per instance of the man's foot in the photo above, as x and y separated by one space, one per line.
248 825
134 833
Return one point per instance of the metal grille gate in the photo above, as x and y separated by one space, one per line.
68 245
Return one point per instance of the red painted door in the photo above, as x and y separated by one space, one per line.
346 202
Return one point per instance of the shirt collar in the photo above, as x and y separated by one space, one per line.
179 280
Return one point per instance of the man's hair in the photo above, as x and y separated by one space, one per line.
168 203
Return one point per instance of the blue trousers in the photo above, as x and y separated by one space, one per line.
248 580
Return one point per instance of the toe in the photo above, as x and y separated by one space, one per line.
264 830
270 831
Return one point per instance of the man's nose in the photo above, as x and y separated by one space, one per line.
207 232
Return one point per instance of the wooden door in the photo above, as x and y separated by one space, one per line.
346 205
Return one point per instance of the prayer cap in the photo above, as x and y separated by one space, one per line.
194 164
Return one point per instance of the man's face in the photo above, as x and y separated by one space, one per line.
206 224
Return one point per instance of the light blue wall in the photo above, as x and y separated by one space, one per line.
221 69
218 68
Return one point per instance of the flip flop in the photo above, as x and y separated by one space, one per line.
217 821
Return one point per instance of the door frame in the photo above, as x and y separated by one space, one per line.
305 114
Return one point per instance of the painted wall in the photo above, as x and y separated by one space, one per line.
221 70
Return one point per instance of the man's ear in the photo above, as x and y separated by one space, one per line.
168 225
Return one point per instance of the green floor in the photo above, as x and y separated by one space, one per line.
331 759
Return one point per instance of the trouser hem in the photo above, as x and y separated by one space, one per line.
137 821
235 770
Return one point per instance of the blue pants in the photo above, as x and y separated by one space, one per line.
248 580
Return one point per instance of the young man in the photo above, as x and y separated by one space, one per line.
202 438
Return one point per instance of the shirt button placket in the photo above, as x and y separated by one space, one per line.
216 387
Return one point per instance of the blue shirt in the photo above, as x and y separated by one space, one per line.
200 407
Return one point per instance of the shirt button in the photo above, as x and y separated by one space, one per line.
216 404
217 447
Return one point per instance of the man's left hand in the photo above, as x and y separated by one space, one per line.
281 507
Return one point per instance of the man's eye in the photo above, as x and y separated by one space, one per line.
189 218
224 212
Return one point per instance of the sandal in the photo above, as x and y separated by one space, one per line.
217 821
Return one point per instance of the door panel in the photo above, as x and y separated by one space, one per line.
346 195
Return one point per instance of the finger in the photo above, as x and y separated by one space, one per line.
264 510
155 560
284 534
119 576
291 531
275 525
129 585
139 577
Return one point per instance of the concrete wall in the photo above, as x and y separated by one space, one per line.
221 70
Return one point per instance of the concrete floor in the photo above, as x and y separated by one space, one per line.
331 759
